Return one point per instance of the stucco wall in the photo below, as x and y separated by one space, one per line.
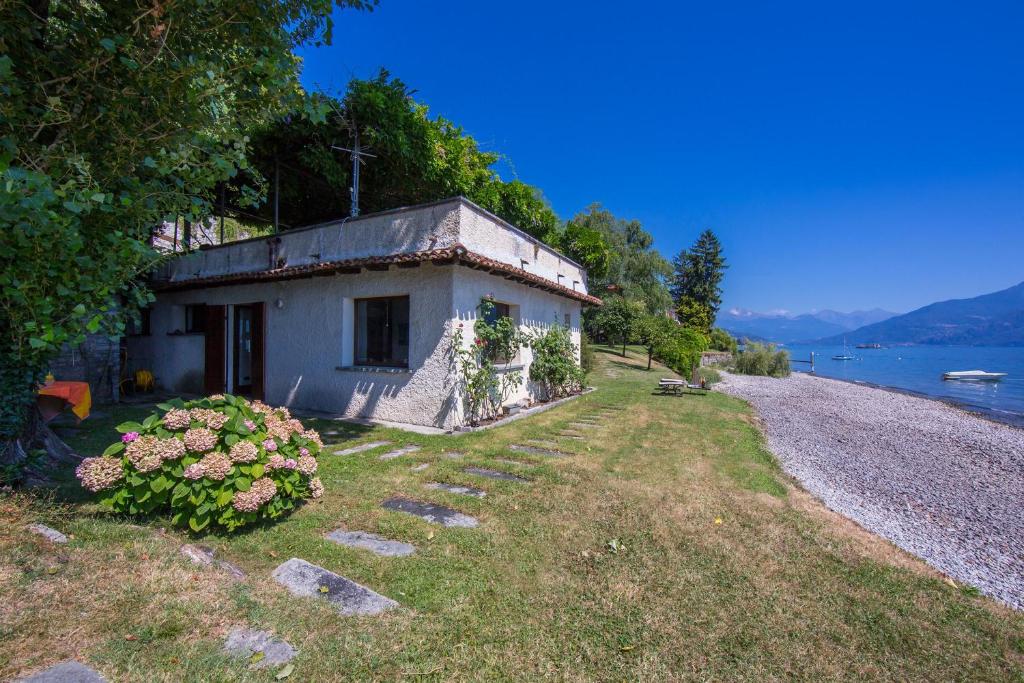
432 226
537 309
306 334
304 344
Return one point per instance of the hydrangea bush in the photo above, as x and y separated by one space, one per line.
221 461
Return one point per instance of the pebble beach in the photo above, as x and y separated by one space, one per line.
938 482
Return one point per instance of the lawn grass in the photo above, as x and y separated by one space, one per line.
725 570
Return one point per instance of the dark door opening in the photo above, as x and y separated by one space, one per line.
247 350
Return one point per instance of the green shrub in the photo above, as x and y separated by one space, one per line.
681 350
554 365
221 461
761 359
710 375
586 354
720 340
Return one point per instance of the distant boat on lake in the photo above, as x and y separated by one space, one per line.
974 375
869 346
845 355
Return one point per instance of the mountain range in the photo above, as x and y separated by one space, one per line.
995 319
785 328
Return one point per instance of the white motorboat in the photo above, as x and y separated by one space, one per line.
974 375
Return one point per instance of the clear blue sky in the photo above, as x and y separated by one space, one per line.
849 155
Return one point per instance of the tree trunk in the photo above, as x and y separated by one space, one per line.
21 454
623 348
650 355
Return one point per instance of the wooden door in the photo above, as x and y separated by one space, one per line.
214 378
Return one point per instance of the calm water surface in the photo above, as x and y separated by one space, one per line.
920 368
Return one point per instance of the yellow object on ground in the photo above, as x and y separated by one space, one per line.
144 380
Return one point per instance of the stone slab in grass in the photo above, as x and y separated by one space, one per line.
48 533
543 443
518 463
362 447
420 467
244 642
436 514
582 425
372 542
574 437
65 672
201 554
348 597
399 452
533 450
454 455
494 474
456 489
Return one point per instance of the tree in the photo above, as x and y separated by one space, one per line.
654 331
633 265
720 340
617 320
697 282
113 117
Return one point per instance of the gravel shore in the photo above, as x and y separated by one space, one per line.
938 482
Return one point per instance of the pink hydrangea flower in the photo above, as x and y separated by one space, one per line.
129 437
303 452
194 471
250 425
290 464
270 445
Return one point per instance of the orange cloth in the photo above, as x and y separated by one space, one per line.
75 393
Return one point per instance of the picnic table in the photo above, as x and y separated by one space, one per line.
677 386
54 396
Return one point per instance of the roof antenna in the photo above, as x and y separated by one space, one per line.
357 153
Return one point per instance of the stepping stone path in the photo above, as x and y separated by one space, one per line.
363 447
419 468
372 542
399 452
542 443
455 488
244 642
454 455
494 474
566 435
65 672
201 554
582 425
533 450
520 463
436 514
348 597
48 533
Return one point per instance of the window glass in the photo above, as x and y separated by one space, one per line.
497 311
195 318
382 332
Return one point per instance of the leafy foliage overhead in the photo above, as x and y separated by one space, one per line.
113 117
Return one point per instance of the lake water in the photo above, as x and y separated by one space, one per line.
919 369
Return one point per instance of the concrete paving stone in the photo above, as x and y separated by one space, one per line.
494 474
244 642
399 452
436 514
65 672
48 533
457 489
533 450
348 597
362 447
372 542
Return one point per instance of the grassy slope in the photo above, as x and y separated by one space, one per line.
779 588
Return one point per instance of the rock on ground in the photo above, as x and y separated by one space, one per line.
937 481
372 542
437 514
49 533
65 672
348 597
244 642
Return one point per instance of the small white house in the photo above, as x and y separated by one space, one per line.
353 317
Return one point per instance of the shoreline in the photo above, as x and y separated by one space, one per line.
940 482
1005 418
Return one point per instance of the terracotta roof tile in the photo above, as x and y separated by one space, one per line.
456 254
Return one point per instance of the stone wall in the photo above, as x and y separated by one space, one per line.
96 361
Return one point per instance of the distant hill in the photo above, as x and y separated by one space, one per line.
784 328
995 319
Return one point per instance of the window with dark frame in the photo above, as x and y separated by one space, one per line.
382 332
495 312
195 319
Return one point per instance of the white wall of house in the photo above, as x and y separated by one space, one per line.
307 335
